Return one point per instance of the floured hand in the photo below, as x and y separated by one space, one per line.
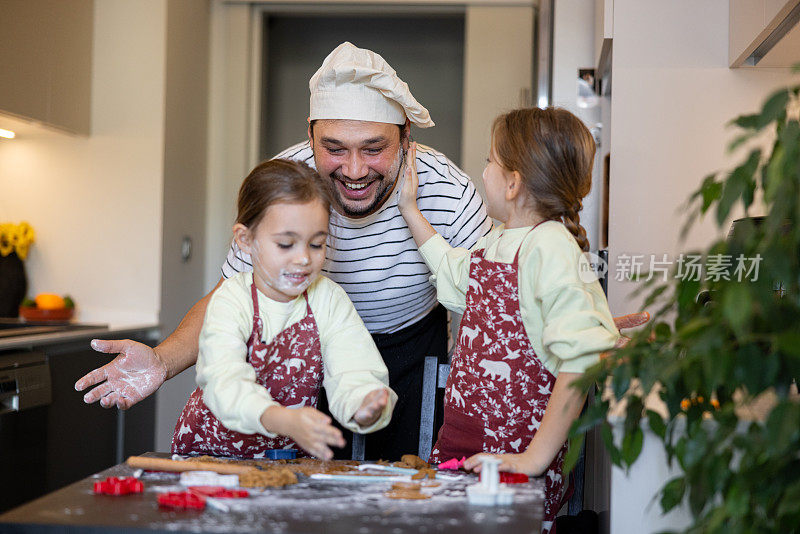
133 375
372 407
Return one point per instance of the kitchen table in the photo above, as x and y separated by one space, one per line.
311 506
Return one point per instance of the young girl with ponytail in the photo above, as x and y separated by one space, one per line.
533 320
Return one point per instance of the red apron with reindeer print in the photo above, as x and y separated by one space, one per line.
290 368
498 388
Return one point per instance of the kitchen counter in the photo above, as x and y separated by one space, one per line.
312 506
69 337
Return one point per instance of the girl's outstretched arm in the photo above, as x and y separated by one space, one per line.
419 226
563 408
310 428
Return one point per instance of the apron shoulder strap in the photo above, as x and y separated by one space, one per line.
256 333
516 255
254 294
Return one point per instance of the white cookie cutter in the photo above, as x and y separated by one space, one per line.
208 478
489 491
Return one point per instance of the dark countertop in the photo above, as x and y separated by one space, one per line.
308 507
147 331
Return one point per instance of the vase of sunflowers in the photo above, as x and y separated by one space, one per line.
15 241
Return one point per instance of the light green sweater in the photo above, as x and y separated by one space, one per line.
566 318
352 365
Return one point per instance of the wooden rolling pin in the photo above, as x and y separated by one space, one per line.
165 464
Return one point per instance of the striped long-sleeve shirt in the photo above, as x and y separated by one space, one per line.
375 258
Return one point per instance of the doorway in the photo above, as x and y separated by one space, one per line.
426 50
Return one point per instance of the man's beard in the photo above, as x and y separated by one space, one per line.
384 187
341 203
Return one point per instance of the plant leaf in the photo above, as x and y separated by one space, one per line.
790 501
656 423
737 305
672 493
632 445
737 501
573 453
621 380
748 122
774 108
736 185
783 426
711 190
608 440
739 141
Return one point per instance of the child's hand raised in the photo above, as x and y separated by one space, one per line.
307 426
407 200
372 407
410 182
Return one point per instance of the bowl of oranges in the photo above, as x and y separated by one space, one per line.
47 307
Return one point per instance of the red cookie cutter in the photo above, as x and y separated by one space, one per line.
513 478
182 500
119 486
219 492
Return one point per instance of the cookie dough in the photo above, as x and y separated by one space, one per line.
425 472
277 473
406 490
272 478
414 461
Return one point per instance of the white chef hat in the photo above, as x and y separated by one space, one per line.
357 84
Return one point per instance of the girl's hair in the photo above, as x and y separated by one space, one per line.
279 180
553 152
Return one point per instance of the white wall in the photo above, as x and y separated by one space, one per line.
634 507
672 96
231 147
185 146
493 85
95 202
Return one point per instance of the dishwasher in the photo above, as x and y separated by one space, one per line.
25 394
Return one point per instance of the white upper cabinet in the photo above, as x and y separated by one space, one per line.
46 61
764 33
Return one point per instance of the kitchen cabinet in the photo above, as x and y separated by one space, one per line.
46 61
55 442
85 438
764 33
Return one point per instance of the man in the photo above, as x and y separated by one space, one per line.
359 131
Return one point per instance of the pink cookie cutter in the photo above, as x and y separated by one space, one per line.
453 463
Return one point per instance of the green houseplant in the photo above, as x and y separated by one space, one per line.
707 358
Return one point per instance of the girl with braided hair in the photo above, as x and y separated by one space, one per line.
534 318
